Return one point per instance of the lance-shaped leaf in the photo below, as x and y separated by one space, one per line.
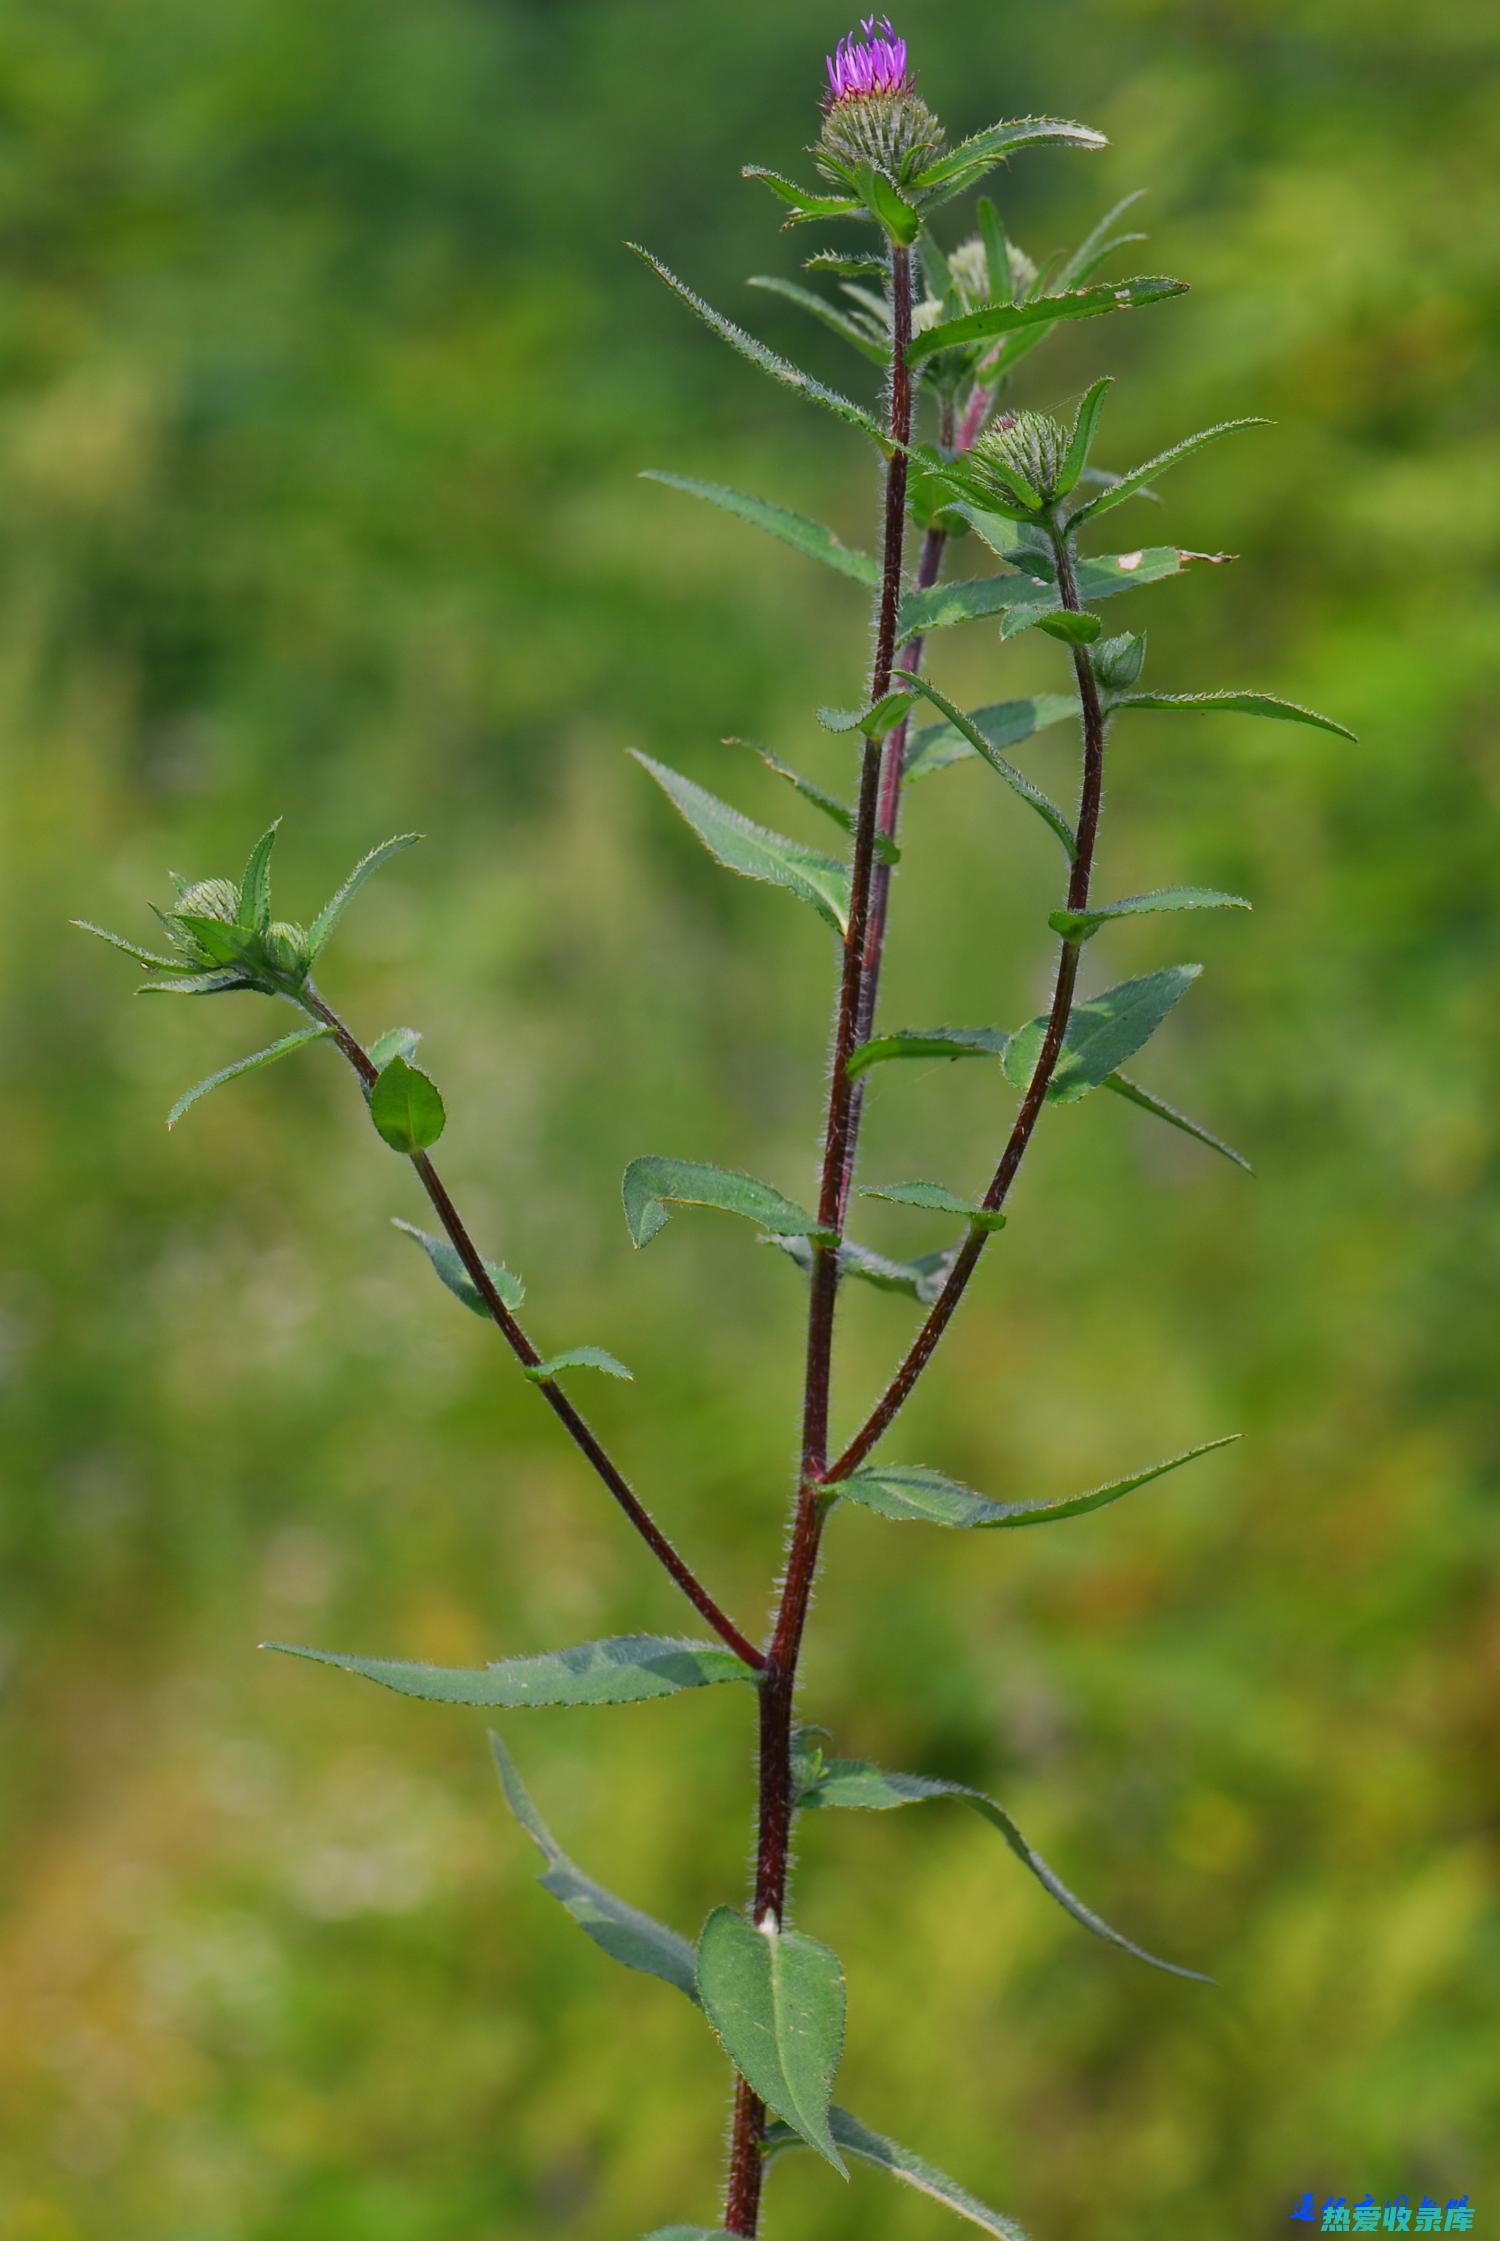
804 203
759 354
753 851
577 1357
1103 1031
188 984
333 910
1017 781
1124 1086
626 1669
912 2170
928 1042
1004 723
255 888
853 264
1082 925
1235 704
842 323
910 1494
999 276
1097 244
1085 423
1042 311
622 1931
962 165
870 1789
920 1279
1137 478
776 1999
177 966
406 1107
265 1057
1102 577
935 1198
456 1277
653 1186
804 536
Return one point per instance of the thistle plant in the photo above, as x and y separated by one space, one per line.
947 318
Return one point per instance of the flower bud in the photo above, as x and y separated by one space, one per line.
1020 458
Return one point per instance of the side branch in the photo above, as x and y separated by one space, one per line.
525 1352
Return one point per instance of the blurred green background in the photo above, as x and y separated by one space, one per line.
325 386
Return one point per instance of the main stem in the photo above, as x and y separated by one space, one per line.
521 1346
779 1679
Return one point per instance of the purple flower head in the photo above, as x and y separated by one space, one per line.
874 64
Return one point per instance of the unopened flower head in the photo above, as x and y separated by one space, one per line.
1022 452
872 112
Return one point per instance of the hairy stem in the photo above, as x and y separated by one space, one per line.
521 1346
779 1682
897 1393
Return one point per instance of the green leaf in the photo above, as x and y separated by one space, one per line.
928 1042
937 1199
913 2171
626 1669
1231 703
1081 925
963 164
876 721
1080 442
623 1932
805 205
1001 280
652 1185
913 1494
452 1272
1103 1031
1102 577
1138 477
776 2000
1018 783
769 361
1096 244
853 264
920 1279
578 1357
406 1107
1005 723
396 1042
194 984
1041 311
753 851
1058 622
177 966
220 941
841 323
1123 1086
804 536
255 887
333 910
891 210
244 1066
870 1789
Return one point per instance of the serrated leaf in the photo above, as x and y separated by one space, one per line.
158 964
622 1931
807 537
853 264
1085 423
1102 577
1081 925
871 1789
1102 1032
841 323
806 204
333 910
901 2163
1136 478
194 984
1004 723
935 1198
911 1493
753 851
265 1057
1017 781
406 1107
928 1042
776 2000
1096 245
652 1185
963 164
626 1669
451 1271
1232 703
578 1357
1123 1086
768 360
255 888
920 1279
396 1042
839 812
998 319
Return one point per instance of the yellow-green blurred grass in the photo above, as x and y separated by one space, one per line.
307 510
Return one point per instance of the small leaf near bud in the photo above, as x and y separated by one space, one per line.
406 1107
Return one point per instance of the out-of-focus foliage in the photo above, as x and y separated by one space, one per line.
323 385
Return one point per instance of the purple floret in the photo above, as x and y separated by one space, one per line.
873 64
